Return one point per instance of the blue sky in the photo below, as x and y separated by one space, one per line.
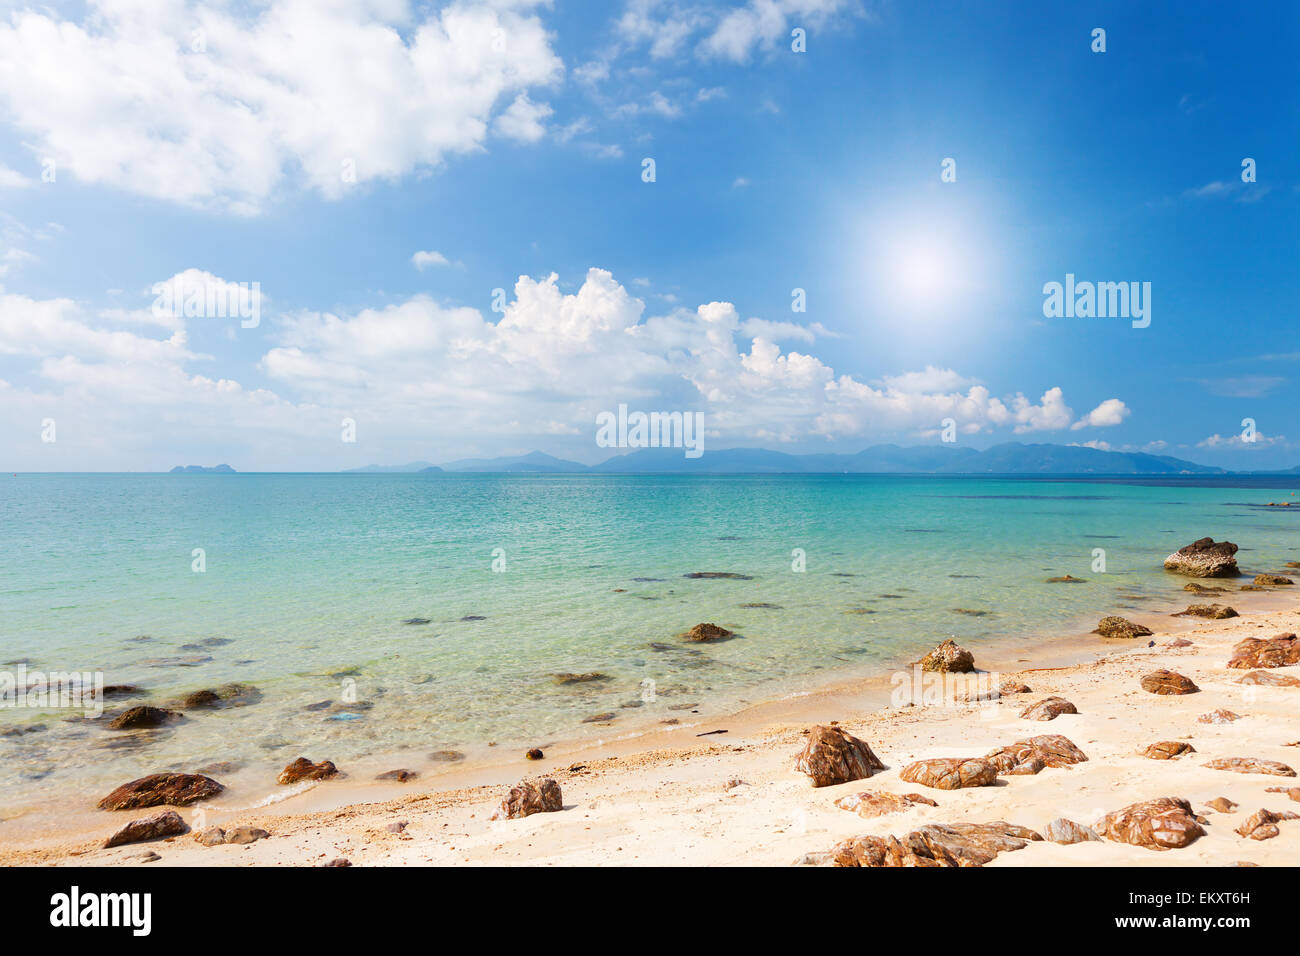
207 141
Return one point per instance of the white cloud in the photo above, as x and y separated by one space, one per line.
12 179
418 372
524 120
761 24
431 257
297 92
1110 412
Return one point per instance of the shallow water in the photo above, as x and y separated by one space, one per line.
310 578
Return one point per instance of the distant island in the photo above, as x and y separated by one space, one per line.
202 470
1009 458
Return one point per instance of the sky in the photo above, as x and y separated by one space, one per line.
440 224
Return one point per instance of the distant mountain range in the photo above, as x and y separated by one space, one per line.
202 470
1011 458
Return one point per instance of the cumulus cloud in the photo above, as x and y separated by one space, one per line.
425 258
216 105
523 121
1110 412
420 371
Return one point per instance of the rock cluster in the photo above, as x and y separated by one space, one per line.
1045 750
1262 824
960 844
1281 650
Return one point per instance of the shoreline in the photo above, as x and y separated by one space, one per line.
765 725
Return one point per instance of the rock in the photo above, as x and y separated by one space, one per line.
1179 642
1271 580
219 766
949 657
1204 558
600 718
1166 823
1051 750
398 827
212 836
201 698
960 844
1168 750
447 756
165 824
1292 792
338 861
1202 589
1269 679
1220 716
243 835
1251 765
143 716
951 773
528 797
1167 682
717 576
1049 708
401 776
1261 825
1221 804
1027 768
1009 687
831 756
1215 612
1120 628
304 769
565 679
121 690
535 754
161 789
1062 830
1281 650
1067 579
703 633
878 803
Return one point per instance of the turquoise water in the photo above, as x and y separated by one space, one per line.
310 578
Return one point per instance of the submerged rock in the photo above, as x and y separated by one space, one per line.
1280 650
529 797
143 716
951 773
1119 628
401 776
1067 579
960 844
1049 708
304 769
717 576
949 657
831 756
1271 580
161 789
1166 823
165 824
446 756
1165 682
565 679
1204 558
1202 589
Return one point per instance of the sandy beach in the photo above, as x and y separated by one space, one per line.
691 796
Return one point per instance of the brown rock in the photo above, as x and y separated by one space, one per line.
529 797
401 776
1067 579
1220 716
1260 825
703 633
1215 612
212 836
1221 804
1179 642
1202 589
1292 792
1165 823
304 769
1062 830
1251 765
1120 628
1204 558
951 773
1167 682
1168 750
1269 679
1051 750
593 677
949 657
136 718
165 824
243 835
201 698
1271 580
1278 651
960 844
1049 708
161 789
832 756
877 803
1009 687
